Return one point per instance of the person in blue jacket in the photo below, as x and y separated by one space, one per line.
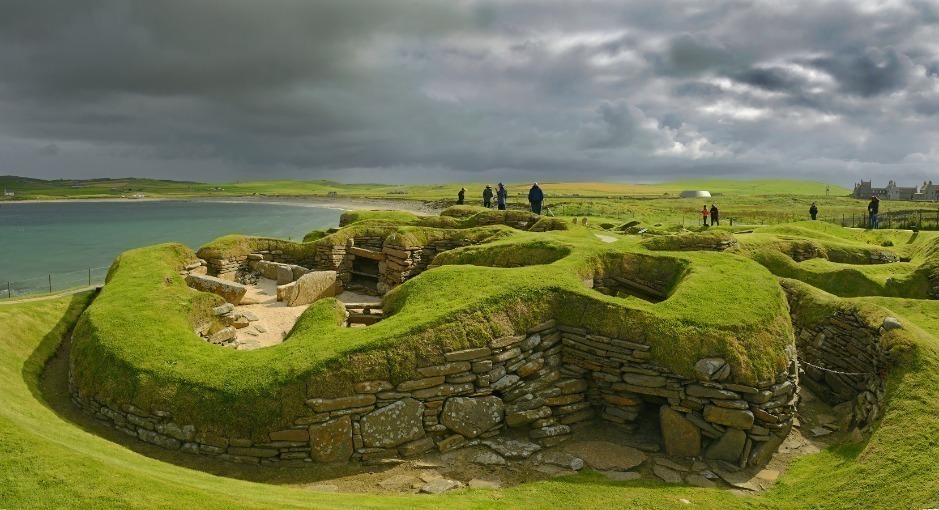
501 195
535 198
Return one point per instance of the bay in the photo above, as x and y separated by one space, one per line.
66 239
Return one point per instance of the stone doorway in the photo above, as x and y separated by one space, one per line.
365 275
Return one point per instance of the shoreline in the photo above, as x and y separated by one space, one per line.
344 204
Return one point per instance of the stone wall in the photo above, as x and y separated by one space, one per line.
402 263
547 381
842 361
708 415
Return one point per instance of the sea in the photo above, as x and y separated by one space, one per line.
72 243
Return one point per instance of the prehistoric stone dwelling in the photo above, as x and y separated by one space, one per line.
927 192
575 356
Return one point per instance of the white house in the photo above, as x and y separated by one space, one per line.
8 193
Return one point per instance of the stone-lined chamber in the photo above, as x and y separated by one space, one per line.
843 358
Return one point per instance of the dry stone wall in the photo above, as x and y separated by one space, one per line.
842 361
547 381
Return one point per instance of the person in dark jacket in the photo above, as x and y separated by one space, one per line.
501 195
535 198
715 217
487 196
460 196
873 209
813 211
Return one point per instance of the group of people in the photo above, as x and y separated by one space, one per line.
535 197
873 212
713 213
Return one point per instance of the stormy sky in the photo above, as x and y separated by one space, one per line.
459 90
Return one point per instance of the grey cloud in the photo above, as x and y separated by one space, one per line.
397 90
769 78
688 56
871 72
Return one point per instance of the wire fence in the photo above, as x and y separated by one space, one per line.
54 282
921 219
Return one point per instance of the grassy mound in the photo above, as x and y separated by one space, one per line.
506 254
843 258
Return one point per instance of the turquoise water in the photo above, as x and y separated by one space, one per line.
68 239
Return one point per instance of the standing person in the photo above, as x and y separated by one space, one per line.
535 198
715 218
501 195
460 196
704 215
873 209
487 197
813 210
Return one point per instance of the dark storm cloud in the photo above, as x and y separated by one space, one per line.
392 90
875 71
769 78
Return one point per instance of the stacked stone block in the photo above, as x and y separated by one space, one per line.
844 363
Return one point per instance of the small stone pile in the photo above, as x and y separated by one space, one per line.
232 321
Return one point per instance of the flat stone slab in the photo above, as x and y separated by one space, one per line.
605 456
699 481
512 448
440 486
768 474
394 424
554 471
231 291
488 458
471 417
666 474
560 459
331 441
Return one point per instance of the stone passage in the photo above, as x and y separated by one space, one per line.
547 381
843 362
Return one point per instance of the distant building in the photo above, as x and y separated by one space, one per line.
695 194
8 193
891 192
928 192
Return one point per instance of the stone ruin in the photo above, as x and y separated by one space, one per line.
544 382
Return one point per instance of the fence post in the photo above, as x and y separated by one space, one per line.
50 284
89 277
9 290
